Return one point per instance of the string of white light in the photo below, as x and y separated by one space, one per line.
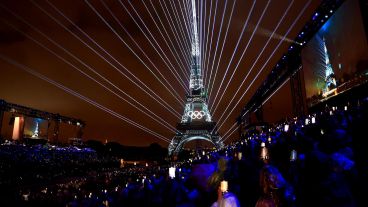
224 135
201 24
242 55
159 100
173 92
166 60
84 98
218 38
205 41
184 56
187 20
187 26
211 38
187 9
181 27
222 49
185 48
176 55
276 90
229 135
160 121
177 28
265 63
235 50
203 12
186 15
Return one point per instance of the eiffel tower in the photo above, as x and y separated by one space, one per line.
329 73
196 122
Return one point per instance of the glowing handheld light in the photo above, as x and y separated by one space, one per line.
224 186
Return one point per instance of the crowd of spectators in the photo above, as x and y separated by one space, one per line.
315 160
46 175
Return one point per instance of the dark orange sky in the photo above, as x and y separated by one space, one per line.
19 87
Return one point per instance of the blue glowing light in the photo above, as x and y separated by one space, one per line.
325 26
38 120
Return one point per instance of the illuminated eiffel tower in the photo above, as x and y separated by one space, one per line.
196 122
329 73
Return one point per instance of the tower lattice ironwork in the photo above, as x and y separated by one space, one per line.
196 122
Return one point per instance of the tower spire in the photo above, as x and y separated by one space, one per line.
196 81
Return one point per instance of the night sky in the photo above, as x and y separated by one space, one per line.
18 86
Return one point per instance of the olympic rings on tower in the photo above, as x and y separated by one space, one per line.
196 114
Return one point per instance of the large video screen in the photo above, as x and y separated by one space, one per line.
35 128
333 55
